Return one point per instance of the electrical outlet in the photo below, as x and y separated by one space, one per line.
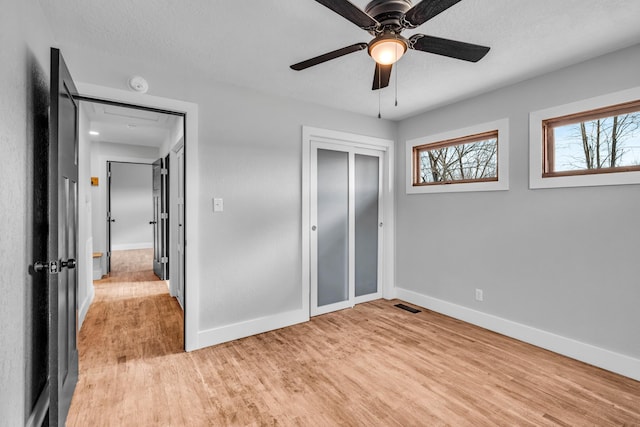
479 295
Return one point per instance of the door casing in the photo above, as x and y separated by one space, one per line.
92 92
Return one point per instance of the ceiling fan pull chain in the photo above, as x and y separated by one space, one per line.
379 90
397 84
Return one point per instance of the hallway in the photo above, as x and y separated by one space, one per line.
131 340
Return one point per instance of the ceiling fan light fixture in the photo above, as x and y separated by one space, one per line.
387 49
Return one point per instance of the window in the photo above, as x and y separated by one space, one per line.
591 142
604 140
469 159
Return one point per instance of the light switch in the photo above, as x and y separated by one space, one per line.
218 205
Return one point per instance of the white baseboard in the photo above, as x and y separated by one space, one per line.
235 331
130 246
84 307
596 356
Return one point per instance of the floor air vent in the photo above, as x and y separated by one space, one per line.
406 307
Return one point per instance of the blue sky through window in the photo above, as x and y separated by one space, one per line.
570 154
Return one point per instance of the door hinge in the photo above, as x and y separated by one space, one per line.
164 171
164 260
164 215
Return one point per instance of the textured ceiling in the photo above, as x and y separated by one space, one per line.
123 125
252 43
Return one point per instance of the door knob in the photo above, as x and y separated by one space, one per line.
111 220
48 267
313 228
153 222
70 263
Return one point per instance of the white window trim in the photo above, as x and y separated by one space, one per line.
501 184
536 144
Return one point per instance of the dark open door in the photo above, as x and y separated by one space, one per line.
63 240
110 218
160 220
37 294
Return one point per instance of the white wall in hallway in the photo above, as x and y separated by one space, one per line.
85 233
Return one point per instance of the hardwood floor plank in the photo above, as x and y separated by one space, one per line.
373 365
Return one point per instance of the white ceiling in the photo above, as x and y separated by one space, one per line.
131 126
252 43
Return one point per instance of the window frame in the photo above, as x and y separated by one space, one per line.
461 136
541 145
463 140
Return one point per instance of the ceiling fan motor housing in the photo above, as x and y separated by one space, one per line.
388 13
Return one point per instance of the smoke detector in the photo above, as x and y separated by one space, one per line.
138 84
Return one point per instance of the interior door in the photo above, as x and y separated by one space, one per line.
37 293
63 239
181 226
160 220
110 219
346 232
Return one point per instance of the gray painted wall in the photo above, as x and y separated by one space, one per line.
561 260
250 154
251 253
25 64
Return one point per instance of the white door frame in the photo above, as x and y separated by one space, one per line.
192 239
311 134
352 299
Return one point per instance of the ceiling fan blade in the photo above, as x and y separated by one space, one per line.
328 56
381 76
451 48
425 10
349 11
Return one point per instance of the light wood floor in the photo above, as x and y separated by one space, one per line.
373 365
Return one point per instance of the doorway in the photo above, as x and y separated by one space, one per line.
129 211
347 219
132 151
189 112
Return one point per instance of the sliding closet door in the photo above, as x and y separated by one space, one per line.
346 222
368 225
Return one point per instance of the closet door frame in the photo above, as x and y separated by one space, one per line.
386 268
351 299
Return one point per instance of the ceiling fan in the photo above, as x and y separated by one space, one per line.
385 20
